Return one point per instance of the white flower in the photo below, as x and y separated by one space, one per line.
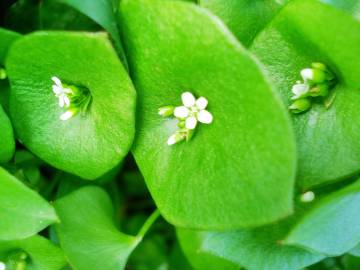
307 74
61 92
2 266
193 111
300 90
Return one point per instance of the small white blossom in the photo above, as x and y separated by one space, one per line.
2 266
193 111
307 74
61 92
300 90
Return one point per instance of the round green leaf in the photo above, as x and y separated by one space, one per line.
86 145
7 141
328 138
42 253
88 235
333 225
243 16
23 212
237 171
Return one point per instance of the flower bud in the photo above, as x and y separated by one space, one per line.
166 111
175 138
300 105
320 90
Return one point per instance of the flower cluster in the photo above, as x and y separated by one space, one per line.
189 115
70 97
317 81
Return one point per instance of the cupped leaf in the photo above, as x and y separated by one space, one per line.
327 138
237 171
103 13
90 143
7 141
244 18
333 225
23 212
41 253
88 235
253 249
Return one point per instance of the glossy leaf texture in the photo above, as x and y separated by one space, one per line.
253 249
41 253
237 171
89 144
7 141
244 18
328 148
332 227
23 212
103 13
88 235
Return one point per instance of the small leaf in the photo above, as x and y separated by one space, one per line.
332 227
43 254
23 212
328 138
236 171
87 234
243 16
91 143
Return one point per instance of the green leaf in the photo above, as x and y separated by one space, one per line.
23 212
350 6
86 145
42 253
254 249
355 251
328 147
332 227
102 12
243 16
239 170
87 234
7 38
7 141
191 243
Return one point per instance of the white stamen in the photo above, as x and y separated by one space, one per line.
188 99
201 103
190 122
181 112
205 117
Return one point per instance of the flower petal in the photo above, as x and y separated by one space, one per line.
204 117
190 122
188 99
2 266
61 101
181 112
172 140
201 103
66 101
56 80
57 90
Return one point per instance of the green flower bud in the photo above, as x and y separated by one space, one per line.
319 66
319 90
166 111
3 74
181 124
300 105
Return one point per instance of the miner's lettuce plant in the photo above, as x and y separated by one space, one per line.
158 134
